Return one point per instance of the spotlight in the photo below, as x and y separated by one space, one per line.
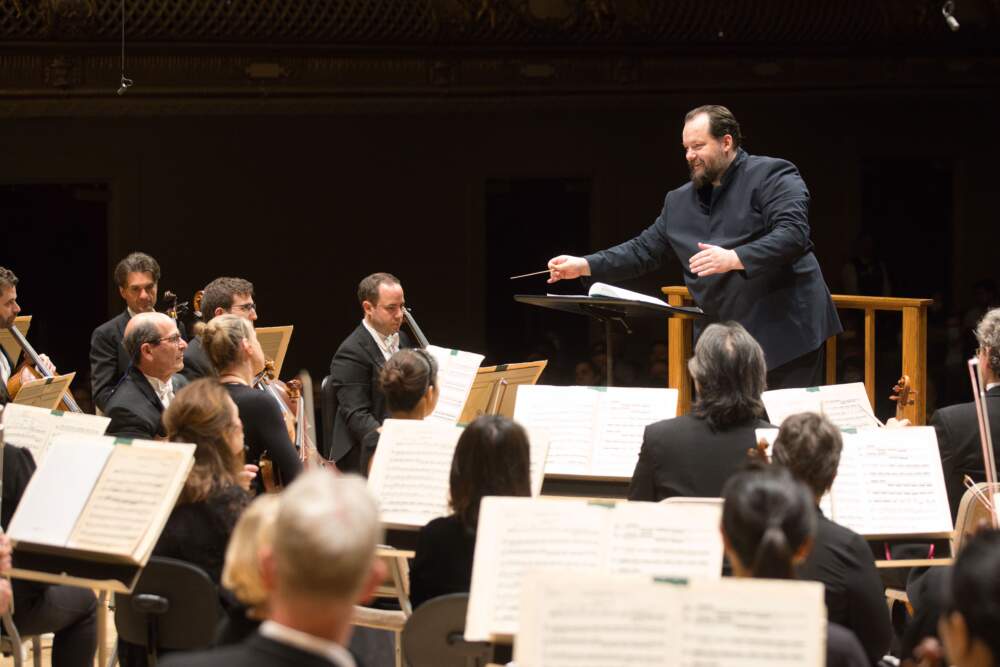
948 10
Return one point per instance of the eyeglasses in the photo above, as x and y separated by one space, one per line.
173 340
245 307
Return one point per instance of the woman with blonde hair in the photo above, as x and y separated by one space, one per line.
231 344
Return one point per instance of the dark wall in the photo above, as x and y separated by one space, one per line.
306 205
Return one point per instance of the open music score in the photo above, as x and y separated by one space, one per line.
11 346
593 619
890 483
412 467
517 535
456 372
34 428
44 393
98 499
274 343
846 405
494 389
594 432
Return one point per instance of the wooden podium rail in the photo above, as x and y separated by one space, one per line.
914 314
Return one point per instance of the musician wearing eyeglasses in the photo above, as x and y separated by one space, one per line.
156 350
222 296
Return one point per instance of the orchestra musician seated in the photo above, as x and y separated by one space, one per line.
491 459
768 528
410 386
156 350
809 446
231 344
694 454
321 567
215 492
68 611
356 365
221 296
137 277
9 310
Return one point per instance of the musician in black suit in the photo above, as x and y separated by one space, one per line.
809 445
355 367
957 426
137 277
694 454
156 347
9 310
741 227
221 296
321 567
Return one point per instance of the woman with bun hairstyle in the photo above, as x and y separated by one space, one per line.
231 344
409 383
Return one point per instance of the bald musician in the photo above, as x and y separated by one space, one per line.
221 296
156 350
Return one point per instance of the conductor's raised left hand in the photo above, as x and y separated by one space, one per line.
714 259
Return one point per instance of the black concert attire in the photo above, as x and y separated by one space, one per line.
684 456
108 358
5 396
259 651
264 431
843 649
369 444
361 407
760 210
842 561
442 563
68 611
135 409
196 362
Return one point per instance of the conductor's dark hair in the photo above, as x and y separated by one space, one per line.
721 122
730 375
220 292
7 279
368 287
974 590
809 446
767 516
491 459
136 262
406 377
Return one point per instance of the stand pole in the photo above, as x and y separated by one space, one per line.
609 380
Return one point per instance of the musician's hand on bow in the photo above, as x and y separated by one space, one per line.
713 259
247 475
566 267
51 367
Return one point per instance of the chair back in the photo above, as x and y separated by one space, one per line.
175 597
328 413
971 512
434 635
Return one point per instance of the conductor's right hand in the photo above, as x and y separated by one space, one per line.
565 267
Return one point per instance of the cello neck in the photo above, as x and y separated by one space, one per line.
415 328
40 367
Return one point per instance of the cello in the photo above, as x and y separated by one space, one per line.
32 368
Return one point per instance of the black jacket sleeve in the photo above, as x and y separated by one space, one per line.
351 372
266 433
103 365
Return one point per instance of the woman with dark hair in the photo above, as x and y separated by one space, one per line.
809 446
409 383
491 459
693 455
231 344
768 527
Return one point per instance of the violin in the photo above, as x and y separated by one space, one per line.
188 312
32 368
902 393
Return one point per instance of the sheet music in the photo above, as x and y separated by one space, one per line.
44 392
594 431
517 535
11 346
603 289
842 402
274 343
59 489
770 434
584 619
128 496
33 428
456 373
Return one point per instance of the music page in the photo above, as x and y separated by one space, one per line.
849 413
135 494
844 404
274 343
603 289
33 428
666 539
456 372
44 392
11 346
625 413
59 489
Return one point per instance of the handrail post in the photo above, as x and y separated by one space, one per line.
679 333
870 354
915 359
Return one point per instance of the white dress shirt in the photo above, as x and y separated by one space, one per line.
389 345
4 368
332 651
164 390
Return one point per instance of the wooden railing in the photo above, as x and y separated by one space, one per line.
914 314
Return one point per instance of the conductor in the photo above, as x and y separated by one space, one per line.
741 227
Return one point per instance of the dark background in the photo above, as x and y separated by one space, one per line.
466 153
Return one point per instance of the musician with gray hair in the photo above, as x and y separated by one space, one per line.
694 454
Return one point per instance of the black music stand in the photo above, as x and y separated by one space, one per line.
608 310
